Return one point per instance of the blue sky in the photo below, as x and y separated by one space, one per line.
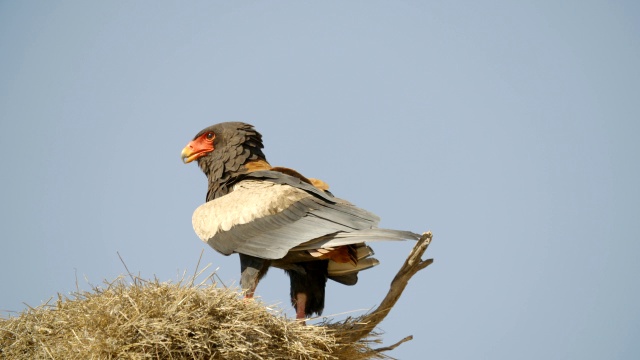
508 129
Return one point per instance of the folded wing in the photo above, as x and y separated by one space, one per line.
269 213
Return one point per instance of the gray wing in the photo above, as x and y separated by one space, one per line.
267 219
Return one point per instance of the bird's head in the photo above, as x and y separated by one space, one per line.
200 146
223 149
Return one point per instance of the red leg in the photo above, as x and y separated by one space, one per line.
252 269
301 302
251 291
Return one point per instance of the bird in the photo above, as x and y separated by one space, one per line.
274 216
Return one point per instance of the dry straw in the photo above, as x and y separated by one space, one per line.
149 319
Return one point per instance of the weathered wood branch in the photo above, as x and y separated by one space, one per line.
388 348
414 263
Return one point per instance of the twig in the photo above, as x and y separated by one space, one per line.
411 266
195 273
387 348
126 268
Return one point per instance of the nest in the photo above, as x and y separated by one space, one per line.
158 320
149 319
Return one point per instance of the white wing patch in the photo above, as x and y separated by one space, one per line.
248 201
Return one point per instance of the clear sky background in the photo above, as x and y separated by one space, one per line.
509 129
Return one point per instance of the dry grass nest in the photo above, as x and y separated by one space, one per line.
148 319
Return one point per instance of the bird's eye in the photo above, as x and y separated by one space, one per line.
210 136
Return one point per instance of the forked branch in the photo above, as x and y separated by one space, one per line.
414 263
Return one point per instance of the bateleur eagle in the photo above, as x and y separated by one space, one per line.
274 216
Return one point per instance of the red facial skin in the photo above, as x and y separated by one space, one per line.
198 147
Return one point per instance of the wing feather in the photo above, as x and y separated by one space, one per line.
267 218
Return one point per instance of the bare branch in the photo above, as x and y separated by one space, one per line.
411 266
387 348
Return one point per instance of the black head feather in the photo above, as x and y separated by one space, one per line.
235 144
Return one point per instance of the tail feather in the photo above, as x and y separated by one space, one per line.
340 269
347 273
349 279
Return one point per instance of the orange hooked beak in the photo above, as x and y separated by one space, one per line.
197 148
